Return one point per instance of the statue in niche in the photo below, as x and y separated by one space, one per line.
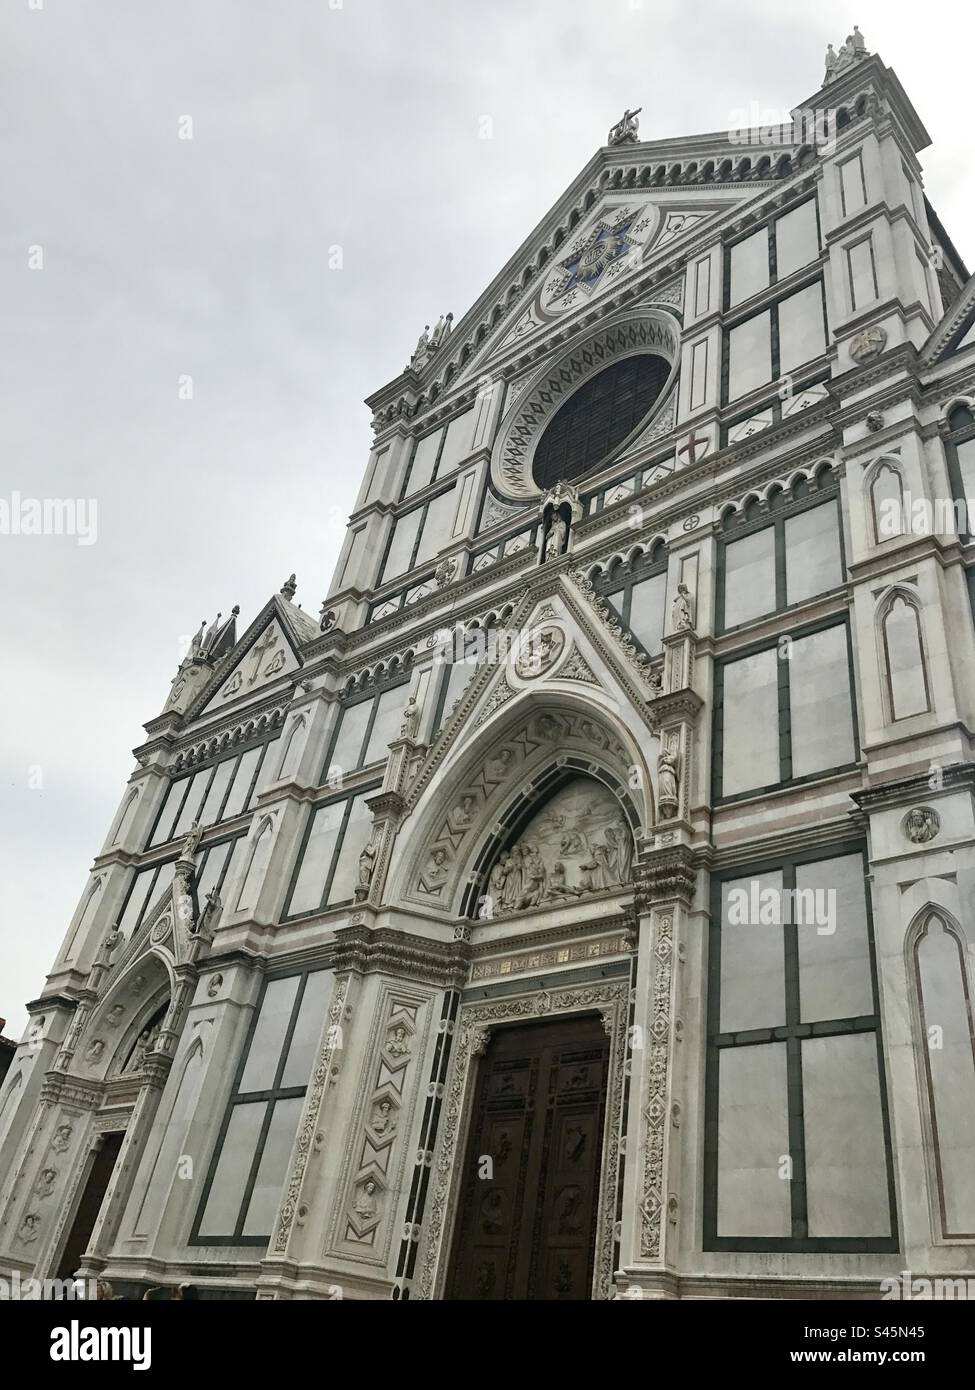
667 784
192 841
411 718
367 867
556 537
681 617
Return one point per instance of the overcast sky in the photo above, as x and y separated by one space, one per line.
314 125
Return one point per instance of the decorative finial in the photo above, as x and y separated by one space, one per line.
625 131
850 52
289 587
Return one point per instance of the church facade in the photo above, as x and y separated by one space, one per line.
581 906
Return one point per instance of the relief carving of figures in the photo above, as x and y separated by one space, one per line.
399 1044
45 1182
578 843
384 1117
541 651
366 1204
62 1138
921 824
29 1228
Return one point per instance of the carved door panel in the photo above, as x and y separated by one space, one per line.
526 1226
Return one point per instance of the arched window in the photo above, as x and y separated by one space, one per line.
887 503
292 749
256 866
907 681
945 1052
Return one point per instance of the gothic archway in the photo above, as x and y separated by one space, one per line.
466 814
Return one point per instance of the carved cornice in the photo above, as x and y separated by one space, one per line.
663 875
677 706
909 789
385 951
388 805
70 1090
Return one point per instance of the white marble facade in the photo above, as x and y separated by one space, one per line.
679 735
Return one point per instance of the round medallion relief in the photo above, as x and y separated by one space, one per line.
539 651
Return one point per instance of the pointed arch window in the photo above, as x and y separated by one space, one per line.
637 592
945 1051
907 680
887 503
217 792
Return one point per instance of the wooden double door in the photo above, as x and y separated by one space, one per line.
526 1227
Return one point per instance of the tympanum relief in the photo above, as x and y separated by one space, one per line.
578 844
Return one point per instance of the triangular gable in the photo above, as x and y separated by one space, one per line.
267 652
956 329
623 233
594 653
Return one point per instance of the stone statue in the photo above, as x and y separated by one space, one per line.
95 1049
209 915
555 540
620 842
626 129
110 940
367 866
290 587
192 842
830 62
680 613
667 784
383 1120
197 640
411 718
398 1045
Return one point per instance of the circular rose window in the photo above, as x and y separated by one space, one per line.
598 417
